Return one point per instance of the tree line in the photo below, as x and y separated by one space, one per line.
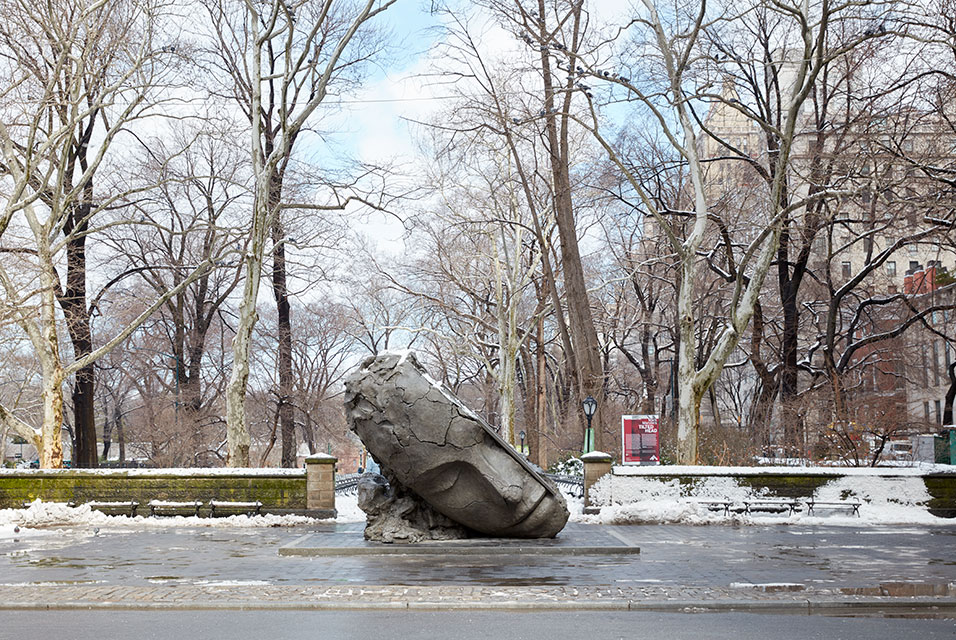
690 211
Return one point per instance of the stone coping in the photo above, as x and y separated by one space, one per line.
212 472
672 471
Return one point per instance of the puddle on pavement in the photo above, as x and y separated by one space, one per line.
162 579
54 561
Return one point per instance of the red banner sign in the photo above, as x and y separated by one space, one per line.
639 435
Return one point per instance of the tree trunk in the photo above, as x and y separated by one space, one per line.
120 435
788 372
86 454
51 394
539 439
73 303
237 431
583 334
107 432
950 396
284 356
688 398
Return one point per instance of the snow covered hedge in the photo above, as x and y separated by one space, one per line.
679 494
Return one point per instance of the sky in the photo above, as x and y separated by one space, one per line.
377 125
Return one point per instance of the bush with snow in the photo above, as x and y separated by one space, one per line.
637 498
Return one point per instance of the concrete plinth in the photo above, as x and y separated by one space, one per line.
320 481
597 464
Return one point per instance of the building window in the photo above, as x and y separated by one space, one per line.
923 368
847 270
939 413
936 363
912 249
891 269
926 410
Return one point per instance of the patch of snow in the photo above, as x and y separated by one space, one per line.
56 514
188 472
919 469
232 583
401 353
631 498
348 510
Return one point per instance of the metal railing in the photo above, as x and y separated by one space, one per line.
347 484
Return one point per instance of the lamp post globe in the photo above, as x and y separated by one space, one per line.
590 408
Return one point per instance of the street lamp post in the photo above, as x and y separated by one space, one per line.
521 435
590 407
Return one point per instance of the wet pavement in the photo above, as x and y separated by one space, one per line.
679 567
714 556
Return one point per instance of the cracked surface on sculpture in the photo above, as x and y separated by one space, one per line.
429 443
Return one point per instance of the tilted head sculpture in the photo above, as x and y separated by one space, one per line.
425 439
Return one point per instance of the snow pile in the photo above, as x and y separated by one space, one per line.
633 499
347 508
162 472
41 515
912 469
886 500
626 500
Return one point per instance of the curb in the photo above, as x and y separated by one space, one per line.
868 606
422 550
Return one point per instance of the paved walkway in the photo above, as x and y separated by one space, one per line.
893 570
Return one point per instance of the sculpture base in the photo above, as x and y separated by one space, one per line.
575 540
396 515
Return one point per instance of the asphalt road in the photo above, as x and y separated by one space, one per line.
465 625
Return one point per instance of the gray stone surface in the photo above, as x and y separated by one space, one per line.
395 515
429 443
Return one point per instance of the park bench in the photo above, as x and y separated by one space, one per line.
122 507
166 508
853 505
772 505
231 508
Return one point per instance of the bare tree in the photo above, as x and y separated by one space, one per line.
81 73
280 59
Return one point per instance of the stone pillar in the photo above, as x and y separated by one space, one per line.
320 481
597 464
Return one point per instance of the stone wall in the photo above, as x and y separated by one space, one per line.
279 490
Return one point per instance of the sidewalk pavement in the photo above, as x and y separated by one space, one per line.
543 598
826 571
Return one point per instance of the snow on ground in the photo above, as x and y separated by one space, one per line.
347 508
165 472
897 469
884 498
40 516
